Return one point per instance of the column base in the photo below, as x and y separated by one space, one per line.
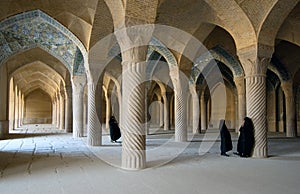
260 154
134 160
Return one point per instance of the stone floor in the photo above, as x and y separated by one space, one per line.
36 160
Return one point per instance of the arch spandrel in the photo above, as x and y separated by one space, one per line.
36 29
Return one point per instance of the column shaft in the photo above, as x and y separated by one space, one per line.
287 88
16 107
166 112
68 110
240 86
256 110
133 115
94 125
203 113
78 83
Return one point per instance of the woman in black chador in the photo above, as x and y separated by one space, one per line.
114 129
246 138
226 143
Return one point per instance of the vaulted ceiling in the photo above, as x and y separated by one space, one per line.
231 24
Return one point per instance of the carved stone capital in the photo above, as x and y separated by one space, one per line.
133 42
78 83
255 59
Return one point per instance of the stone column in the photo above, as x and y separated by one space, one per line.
196 107
68 109
85 114
57 110
16 107
54 111
78 83
255 62
287 88
161 112
180 105
22 109
133 109
108 107
94 132
203 112
241 92
166 111
62 109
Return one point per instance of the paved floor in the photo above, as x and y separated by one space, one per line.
57 163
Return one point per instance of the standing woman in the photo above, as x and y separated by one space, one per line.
115 132
226 143
246 138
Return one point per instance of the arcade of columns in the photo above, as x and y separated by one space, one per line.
71 112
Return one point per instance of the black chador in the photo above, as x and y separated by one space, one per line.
226 143
114 129
246 138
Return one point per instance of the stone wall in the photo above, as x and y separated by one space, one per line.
38 108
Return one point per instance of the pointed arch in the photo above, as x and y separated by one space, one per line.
36 29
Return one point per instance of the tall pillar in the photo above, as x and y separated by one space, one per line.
287 88
255 62
166 111
203 112
4 118
196 107
20 108
78 83
94 135
62 110
241 92
108 107
132 42
57 110
68 109
85 114
54 111
161 112
180 91
16 107
133 109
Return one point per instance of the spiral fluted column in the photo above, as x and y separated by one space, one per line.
196 109
287 88
255 62
180 105
78 83
256 110
133 115
94 127
241 92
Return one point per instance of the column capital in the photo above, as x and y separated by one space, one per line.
133 41
255 59
78 82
